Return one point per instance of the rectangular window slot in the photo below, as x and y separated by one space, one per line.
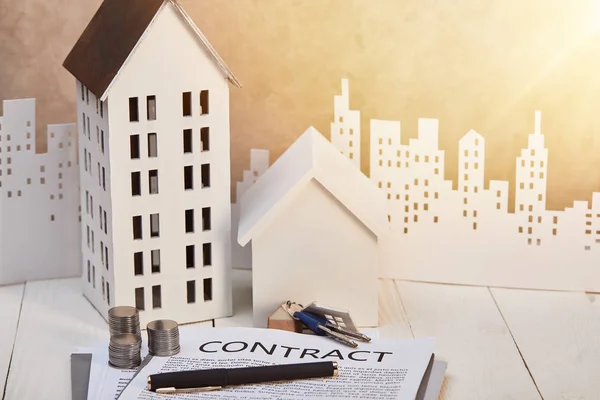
152 145
156 298
155 260
139 298
134 147
154 228
153 181
136 185
151 108
188 177
205 175
190 256
187 140
137 227
138 263
133 109
189 221
206 219
207 254
107 293
191 292
207 289
204 102
187 103
204 138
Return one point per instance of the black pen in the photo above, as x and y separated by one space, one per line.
214 379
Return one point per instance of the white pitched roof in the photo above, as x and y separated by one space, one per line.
312 156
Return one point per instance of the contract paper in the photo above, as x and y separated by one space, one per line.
385 370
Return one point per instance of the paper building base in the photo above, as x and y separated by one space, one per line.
39 198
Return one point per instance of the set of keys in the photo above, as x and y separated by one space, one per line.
326 321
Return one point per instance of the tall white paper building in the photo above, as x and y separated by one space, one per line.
345 129
153 108
39 228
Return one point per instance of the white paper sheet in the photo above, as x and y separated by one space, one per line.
381 370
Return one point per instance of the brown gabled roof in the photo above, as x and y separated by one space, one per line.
111 36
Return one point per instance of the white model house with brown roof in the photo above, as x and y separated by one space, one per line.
153 118
315 222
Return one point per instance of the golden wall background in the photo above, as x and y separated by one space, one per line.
485 65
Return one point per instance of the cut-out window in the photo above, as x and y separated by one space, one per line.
152 145
533 152
101 109
153 181
189 221
206 224
538 242
530 219
103 178
204 138
156 297
466 189
474 225
588 232
94 276
204 102
138 263
106 256
151 108
89 271
205 175
351 156
82 92
155 260
99 176
540 197
137 227
435 195
531 185
102 141
206 254
188 177
539 219
416 218
466 153
190 256
542 175
464 213
522 185
133 109
530 207
139 298
107 293
497 206
435 219
105 224
466 177
186 99
187 140
530 230
521 207
436 171
136 185
134 147
520 229
154 225
425 206
405 230
85 166
191 291
207 289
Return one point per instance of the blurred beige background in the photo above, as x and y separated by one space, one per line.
485 65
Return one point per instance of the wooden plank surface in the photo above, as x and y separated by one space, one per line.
55 321
10 307
558 334
483 361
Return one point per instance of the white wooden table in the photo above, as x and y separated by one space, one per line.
499 343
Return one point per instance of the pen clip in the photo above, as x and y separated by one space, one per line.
172 390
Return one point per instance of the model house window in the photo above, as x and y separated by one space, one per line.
85 166
103 178
156 300
206 219
102 141
189 221
190 256
205 144
89 270
207 289
137 227
191 291
151 108
139 298
133 109
103 291
138 263
153 181
107 293
205 175
187 103
105 224
188 177
82 92
187 140
87 202
106 256
101 109
154 229
88 130
206 254
204 102
155 259
87 96
134 146
99 176
136 185
152 145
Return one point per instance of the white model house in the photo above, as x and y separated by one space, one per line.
315 222
153 116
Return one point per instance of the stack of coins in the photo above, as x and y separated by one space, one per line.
124 350
163 338
124 319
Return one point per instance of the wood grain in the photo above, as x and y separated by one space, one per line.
558 334
55 321
483 362
10 300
